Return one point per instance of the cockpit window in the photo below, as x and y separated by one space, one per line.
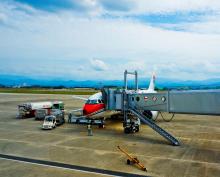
92 102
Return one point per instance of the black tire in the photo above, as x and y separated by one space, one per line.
128 161
127 130
137 129
101 126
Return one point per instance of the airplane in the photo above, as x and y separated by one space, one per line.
94 108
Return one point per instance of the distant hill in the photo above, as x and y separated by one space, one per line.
12 80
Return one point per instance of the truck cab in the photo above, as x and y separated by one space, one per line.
24 110
58 105
40 114
59 114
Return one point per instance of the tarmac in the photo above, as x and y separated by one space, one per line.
198 155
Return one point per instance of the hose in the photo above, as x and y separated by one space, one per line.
167 119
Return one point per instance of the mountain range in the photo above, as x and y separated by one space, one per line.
19 81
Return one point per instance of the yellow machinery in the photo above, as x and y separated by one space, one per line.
132 160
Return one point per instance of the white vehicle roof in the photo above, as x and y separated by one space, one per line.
57 102
40 105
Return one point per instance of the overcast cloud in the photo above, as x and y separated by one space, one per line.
99 39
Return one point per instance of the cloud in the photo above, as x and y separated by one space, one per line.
2 17
141 7
98 65
202 17
124 7
37 42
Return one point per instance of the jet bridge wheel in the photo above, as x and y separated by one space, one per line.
127 130
137 129
131 129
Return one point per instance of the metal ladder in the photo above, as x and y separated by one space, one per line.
155 127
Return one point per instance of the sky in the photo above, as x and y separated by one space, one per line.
99 39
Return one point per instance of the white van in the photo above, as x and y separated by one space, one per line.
49 122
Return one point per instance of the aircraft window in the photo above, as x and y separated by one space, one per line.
92 102
99 101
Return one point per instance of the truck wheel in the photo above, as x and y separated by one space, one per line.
101 126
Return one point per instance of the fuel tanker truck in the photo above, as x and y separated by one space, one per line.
27 110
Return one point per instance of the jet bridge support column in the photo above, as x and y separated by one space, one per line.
125 108
129 124
126 82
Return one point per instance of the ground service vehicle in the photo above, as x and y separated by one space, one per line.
59 115
76 117
56 118
49 122
29 109
40 114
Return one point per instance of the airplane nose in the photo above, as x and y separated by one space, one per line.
86 109
85 112
91 108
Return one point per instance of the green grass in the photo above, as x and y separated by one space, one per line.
49 91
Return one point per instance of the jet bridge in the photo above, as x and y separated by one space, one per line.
132 103
186 102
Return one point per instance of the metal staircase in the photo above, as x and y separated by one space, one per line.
155 127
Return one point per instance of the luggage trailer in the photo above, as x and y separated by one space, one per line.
132 104
77 117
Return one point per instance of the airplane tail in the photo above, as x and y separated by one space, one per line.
152 82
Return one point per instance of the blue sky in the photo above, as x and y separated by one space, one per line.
99 39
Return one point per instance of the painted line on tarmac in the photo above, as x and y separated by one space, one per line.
68 166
